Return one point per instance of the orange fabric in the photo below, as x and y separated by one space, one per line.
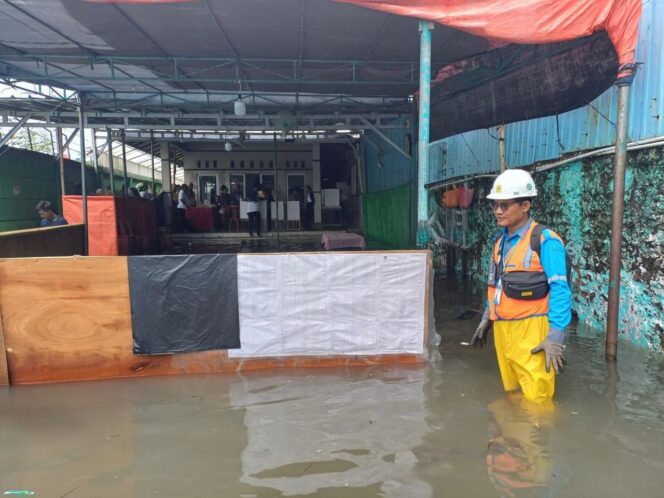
450 198
518 309
102 231
527 21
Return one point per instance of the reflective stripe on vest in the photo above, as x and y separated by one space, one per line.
521 258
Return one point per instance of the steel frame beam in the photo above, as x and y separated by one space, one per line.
15 127
218 122
279 71
385 138
183 137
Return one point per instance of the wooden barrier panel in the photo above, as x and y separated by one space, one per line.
66 240
4 369
68 319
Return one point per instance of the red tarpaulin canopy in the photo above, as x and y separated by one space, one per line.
527 21
545 57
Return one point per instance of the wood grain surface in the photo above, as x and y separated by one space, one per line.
4 368
65 240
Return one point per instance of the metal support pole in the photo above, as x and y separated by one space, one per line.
423 141
124 166
619 165
111 172
166 187
501 148
62 150
96 157
171 161
84 196
61 160
154 188
276 188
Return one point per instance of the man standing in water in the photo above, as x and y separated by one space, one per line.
529 299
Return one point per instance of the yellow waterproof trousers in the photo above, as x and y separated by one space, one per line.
518 366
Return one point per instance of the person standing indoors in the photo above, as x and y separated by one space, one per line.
183 204
529 298
254 212
309 201
224 203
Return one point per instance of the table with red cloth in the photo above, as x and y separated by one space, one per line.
342 240
201 218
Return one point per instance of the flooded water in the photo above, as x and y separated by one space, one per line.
445 429
247 244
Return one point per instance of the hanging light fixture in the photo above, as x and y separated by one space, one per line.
228 146
239 107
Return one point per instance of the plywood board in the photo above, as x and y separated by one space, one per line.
65 240
4 369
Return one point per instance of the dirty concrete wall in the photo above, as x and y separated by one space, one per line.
575 201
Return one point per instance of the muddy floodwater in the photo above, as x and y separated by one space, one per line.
445 429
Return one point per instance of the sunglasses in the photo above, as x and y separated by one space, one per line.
502 206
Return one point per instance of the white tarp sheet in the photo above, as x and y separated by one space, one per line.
331 304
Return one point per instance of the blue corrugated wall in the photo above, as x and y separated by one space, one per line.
589 127
385 168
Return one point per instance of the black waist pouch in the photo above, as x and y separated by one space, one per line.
525 285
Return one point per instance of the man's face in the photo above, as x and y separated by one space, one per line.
510 213
46 215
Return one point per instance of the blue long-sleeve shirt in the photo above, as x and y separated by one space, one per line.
552 256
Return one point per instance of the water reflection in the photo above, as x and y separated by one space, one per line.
353 431
518 457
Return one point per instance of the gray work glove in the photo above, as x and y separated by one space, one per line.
553 353
481 334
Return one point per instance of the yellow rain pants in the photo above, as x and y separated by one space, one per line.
518 366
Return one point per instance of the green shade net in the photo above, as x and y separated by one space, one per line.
388 218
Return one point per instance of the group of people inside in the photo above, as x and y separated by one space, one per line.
227 204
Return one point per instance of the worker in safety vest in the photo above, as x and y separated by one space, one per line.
529 299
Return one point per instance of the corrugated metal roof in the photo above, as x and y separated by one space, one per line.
589 127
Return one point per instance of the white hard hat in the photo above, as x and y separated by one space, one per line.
512 184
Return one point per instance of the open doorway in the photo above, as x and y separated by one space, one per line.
338 172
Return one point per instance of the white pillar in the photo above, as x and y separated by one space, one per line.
166 181
315 162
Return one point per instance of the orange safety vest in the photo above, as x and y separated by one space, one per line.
521 276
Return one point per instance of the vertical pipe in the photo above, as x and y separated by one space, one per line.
84 196
501 148
171 161
61 160
166 187
154 188
109 147
424 122
276 187
124 166
96 157
619 165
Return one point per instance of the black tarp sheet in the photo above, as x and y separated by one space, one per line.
519 82
182 304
